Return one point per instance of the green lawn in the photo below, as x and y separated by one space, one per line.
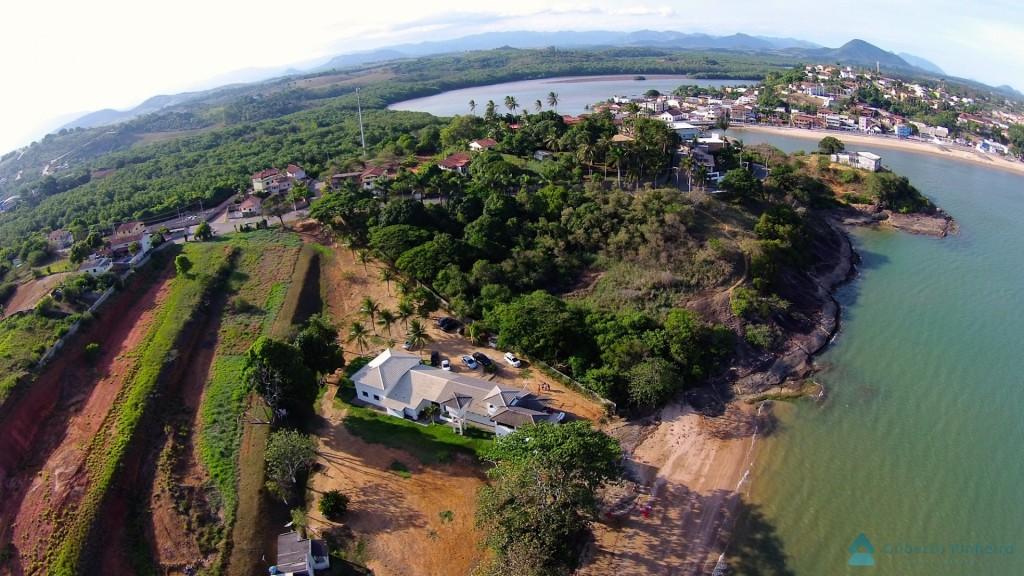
432 444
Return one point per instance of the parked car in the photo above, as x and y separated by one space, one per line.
469 362
483 360
446 365
492 341
511 359
447 323
435 358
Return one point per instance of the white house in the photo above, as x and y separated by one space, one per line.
671 115
685 130
96 265
262 180
482 144
863 160
403 386
295 172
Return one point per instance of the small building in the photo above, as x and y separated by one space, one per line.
685 130
60 239
542 155
96 265
295 172
251 206
714 143
458 162
482 144
127 230
862 160
373 176
298 556
903 131
671 115
338 179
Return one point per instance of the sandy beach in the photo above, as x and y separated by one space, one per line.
854 140
693 473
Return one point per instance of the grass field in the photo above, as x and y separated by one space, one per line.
23 341
432 444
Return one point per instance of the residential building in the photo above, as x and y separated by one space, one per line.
96 265
295 172
251 206
482 144
262 180
542 155
298 556
127 230
404 387
60 239
903 130
685 130
458 162
862 160
671 115
372 176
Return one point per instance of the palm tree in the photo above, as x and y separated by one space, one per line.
538 105
490 111
417 334
385 319
702 175
472 106
615 154
357 334
553 100
687 166
511 104
363 256
405 311
387 275
369 308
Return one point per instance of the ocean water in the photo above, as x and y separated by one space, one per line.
919 442
573 93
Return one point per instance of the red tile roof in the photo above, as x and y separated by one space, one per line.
457 160
265 173
293 169
485 142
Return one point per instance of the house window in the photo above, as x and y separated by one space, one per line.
375 397
364 393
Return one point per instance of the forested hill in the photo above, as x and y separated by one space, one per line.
384 83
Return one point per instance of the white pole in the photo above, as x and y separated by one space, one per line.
362 136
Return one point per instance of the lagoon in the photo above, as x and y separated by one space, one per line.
574 93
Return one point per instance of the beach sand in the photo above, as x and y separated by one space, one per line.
693 473
854 139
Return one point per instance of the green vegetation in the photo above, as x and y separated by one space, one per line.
183 303
289 454
830 145
23 341
433 444
333 505
536 511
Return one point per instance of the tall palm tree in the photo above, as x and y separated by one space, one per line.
687 166
472 106
702 175
615 154
490 111
538 105
387 275
553 100
385 318
417 334
511 104
357 334
405 311
363 256
369 308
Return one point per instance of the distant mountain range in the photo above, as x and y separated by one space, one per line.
854 52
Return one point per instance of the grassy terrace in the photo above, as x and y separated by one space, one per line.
258 287
107 452
23 341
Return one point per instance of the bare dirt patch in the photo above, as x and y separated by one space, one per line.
54 477
31 292
399 519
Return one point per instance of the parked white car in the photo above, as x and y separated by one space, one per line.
511 359
446 365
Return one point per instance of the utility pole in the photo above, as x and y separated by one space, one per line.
362 136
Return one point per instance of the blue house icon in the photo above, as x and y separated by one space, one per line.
861 552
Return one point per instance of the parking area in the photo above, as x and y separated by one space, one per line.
453 346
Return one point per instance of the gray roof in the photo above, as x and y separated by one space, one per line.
291 552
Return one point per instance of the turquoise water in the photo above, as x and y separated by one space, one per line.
573 93
918 444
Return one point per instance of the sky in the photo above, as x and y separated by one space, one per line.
67 57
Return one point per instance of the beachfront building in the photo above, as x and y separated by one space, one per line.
862 160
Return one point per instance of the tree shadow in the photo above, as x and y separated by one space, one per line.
756 548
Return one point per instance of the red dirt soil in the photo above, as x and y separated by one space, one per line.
29 293
53 473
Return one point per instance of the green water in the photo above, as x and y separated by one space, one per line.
919 443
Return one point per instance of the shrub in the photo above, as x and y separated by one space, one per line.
765 336
333 504
92 351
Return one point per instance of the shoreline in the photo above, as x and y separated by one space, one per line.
944 151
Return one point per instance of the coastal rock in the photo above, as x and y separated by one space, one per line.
938 224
